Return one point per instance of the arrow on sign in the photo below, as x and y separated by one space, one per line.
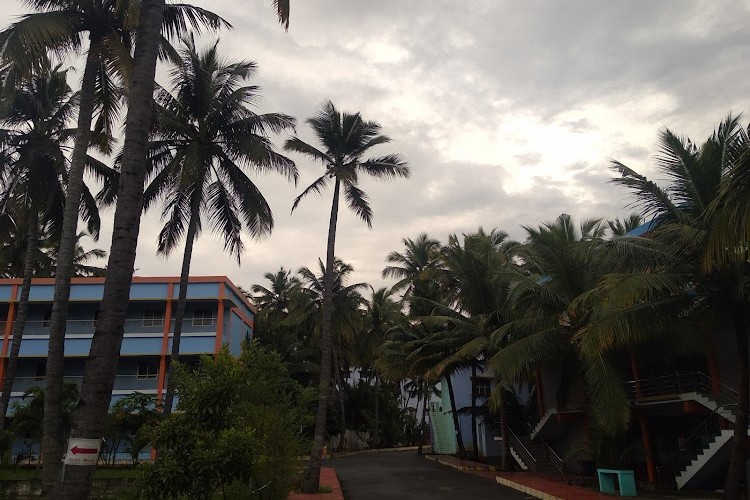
85 451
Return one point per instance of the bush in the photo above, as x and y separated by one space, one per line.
237 425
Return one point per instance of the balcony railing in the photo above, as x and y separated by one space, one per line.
122 383
139 325
671 386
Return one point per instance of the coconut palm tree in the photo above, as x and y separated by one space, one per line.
547 311
622 227
346 321
701 271
480 307
382 315
33 172
420 258
279 325
60 26
99 375
214 137
277 299
346 139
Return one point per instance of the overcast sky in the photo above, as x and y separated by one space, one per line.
508 112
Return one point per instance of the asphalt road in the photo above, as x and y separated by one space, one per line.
407 476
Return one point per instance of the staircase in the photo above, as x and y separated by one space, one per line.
443 431
707 448
704 452
700 465
534 455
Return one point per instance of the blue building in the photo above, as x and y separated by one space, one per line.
216 313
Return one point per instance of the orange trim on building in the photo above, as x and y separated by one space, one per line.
165 343
539 392
143 279
220 320
650 466
713 366
8 330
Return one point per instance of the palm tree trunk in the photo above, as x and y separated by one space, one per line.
182 297
422 430
474 440
506 463
454 414
340 391
53 441
735 487
99 374
376 437
312 475
23 307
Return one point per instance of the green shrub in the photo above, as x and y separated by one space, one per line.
236 427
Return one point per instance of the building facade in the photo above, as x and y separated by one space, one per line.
217 313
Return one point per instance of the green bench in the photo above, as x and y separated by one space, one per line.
625 478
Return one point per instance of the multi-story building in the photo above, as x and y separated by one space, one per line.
216 313
683 407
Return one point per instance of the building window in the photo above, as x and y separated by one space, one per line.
482 387
40 372
47 321
147 371
153 317
203 317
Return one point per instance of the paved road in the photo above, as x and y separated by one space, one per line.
406 476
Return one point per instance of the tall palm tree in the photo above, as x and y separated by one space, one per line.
346 320
382 315
701 271
420 257
480 308
548 311
60 26
99 374
33 171
279 325
13 251
346 138
277 299
214 136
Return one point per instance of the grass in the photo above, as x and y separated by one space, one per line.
9 473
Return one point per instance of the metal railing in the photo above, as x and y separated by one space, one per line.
552 455
523 452
135 325
669 386
696 443
122 382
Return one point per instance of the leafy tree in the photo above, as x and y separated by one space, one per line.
131 420
346 138
237 424
28 414
213 137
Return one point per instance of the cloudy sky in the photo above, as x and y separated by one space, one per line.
508 112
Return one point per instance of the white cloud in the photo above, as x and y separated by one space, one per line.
509 112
